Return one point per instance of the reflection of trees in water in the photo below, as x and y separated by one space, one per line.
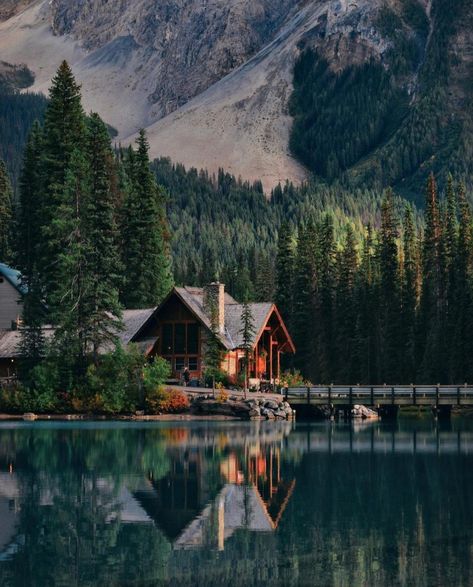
353 519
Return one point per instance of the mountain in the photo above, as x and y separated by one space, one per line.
213 82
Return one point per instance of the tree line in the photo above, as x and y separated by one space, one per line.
88 233
396 307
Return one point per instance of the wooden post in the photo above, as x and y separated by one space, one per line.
308 396
372 396
287 392
458 396
414 394
351 398
437 395
330 393
392 396
279 363
271 359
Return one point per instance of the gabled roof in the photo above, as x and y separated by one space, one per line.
133 321
13 277
261 313
231 338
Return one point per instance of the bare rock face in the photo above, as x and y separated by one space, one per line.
211 80
185 45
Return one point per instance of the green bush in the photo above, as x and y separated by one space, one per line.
155 374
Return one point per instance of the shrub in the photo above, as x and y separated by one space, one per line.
166 401
114 384
222 395
156 373
221 377
294 379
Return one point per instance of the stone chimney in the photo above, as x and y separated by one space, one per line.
214 302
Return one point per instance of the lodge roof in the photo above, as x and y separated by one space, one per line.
13 277
231 338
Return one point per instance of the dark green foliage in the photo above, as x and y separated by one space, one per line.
103 254
390 122
18 111
247 332
146 256
327 135
400 315
6 216
285 273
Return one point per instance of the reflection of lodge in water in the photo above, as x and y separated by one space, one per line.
248 493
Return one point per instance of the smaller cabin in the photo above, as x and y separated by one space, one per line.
11 296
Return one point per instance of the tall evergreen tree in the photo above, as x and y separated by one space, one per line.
247 332
368 310
103 257
6 216
409 293
148 276
389 289
305 275
28 247
64 139
285 273
431 301
346 310
324 335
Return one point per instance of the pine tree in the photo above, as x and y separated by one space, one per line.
27 258
6 216
368 309
430 304
389 290
304 289
346 310
64 139
285 273
103 260
247 332
148 276
462 317
324 335
409 294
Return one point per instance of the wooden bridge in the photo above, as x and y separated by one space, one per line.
381 395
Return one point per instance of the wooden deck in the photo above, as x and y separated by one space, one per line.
381 395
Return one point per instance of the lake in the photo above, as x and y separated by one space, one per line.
229 503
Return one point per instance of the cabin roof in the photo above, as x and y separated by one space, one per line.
133 321
13 277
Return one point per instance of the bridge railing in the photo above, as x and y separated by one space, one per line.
374 392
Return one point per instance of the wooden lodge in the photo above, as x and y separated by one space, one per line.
176 330
182 323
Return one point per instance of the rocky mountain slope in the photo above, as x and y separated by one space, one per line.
211 80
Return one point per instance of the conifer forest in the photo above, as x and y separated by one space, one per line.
375 288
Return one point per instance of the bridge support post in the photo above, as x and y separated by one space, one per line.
389 412
441 412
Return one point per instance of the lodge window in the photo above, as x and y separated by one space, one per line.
180 363
180 344
179 339
193 364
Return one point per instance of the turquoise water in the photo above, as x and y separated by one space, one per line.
206 504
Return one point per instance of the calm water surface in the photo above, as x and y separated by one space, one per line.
236 504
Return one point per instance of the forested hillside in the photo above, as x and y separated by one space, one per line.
391 121
222 227
18 111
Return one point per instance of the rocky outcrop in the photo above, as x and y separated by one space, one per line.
250 409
